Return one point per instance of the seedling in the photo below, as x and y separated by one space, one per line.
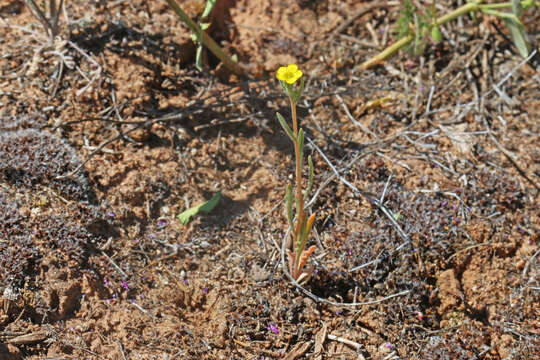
300 224
414 28
205 208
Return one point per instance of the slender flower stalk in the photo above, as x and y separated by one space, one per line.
300 224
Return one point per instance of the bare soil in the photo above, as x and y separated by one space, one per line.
427 173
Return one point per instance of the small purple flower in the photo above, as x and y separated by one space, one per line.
162 223
205 290
111 214
272 327
106 282
185 281
125 285
388 346
454 207
444 203
349 252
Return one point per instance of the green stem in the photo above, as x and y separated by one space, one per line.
207 40
505 5
299 197
457 13
386 53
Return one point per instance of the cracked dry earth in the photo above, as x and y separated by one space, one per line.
426 186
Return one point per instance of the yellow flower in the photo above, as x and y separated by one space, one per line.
289 74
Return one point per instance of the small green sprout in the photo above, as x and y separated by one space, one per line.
205 208
299 223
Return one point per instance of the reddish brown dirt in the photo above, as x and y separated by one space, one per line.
95 265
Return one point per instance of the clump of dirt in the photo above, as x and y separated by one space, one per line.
30 157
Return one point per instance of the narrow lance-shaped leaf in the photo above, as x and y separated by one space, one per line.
302 238
286 127
288 199
517 31
201 208
310 179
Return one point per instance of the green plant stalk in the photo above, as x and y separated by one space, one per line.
207 40
299 195
469 7
506 5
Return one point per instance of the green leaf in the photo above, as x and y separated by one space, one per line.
198 58
288 198
519 36
310 180
302 238
436 34
517 9
286 127
208 8
201 208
